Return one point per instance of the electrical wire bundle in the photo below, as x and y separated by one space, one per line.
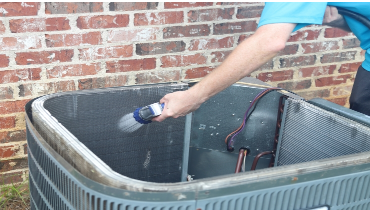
229 140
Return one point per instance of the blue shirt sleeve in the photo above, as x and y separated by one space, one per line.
302 13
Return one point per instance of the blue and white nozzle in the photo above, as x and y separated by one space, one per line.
145 114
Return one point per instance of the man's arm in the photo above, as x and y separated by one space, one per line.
334 19
246 58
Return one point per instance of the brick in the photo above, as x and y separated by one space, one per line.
65 40
25 150
186 31
39 25
210 14
6 93
10 9
20 43
275 76
157 76
342 90
304 35
243 37
338 57
44 57
351 43
316 71
268 65
102 82
335 32
349 67
339 101
9 107
173 5
12 136
106 52
11 178
235 3
73 70
133 35
249 12
296 85
13 164
319 46
330 81
7 122
132 6
2 27
308 95
8 151
209 44
11 76
297 61
198 72
36 89
182 60
73 7
4 61
131 65
158 18
160 48
234 27
220 56
103 21
289 50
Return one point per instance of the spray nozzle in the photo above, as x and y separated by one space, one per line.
144 114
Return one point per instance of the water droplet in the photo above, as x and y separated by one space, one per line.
211 134
233 114
262 122
216 134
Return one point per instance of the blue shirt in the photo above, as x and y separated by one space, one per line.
307 13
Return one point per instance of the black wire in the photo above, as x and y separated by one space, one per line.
355 16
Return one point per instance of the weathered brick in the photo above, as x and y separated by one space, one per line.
208 44
131 65
20 43
106 52
73 7
335 32
11 76
304 35
8 151
210 14
296 85
11 178
173 5
338 57
342 90
157 76
13 164
25 150
2 27
268 65
12 136
65 40
9 107
160 48
198 72
289 50
73 70
39 24
249 12
330 81
349 67
220 56
243 37
132 6
275 76
7 122
102 82
320 46
182 60
308 95
235 3
6 93
44 57
339 101
186 31
158 18
36 89
133 35
234 27
351 43
316 71
103 21
297 61
10 9
4 61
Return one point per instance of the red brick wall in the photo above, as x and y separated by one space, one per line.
55 47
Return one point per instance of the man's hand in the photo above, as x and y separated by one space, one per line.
334 19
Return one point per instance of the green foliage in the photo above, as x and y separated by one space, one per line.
14 194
